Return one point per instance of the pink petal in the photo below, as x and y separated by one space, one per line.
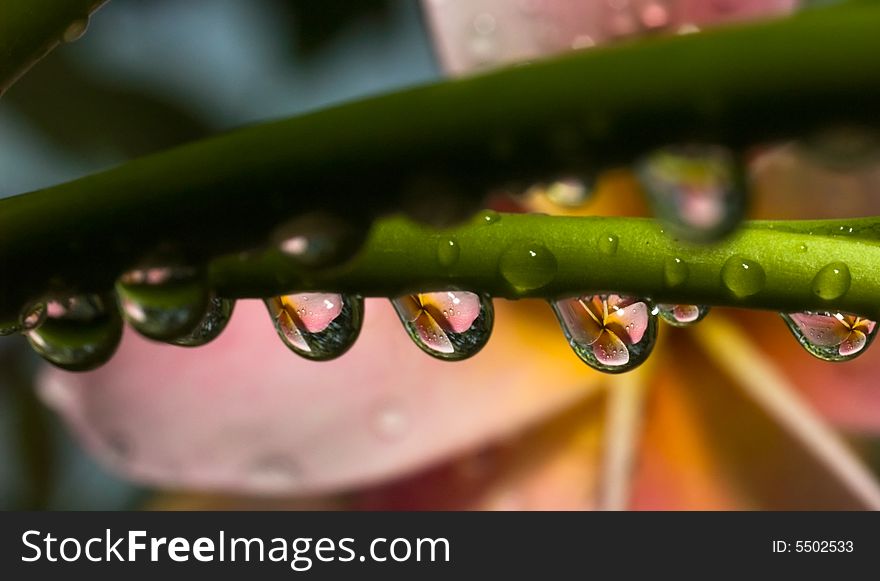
629 323
454 310
432 334
581 325
244 414
823 330
610 350
316 310
853 343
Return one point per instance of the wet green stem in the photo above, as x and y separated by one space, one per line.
497 256
29 29
447 145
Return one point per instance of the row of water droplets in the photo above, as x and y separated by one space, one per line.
697 190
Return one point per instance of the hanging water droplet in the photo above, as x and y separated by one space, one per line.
743 277
831 336
527 266
697 190
75 30
211 325
317 326
79 333
320 239
448 251
675 272
608 244
682 315
832 282
611 333
448 325
163 303
32 316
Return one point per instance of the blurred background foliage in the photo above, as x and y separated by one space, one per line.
150 74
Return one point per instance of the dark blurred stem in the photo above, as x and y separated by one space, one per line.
29 29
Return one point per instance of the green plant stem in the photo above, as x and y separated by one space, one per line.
457 139
29 29
401 257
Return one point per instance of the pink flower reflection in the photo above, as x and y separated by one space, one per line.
607 323
435 314
848 333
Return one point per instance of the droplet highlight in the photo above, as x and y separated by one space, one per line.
610 333
832 282
831 336
163 303
527 266
608 244
682 315
79 333
317 326
448 325
697 190
743 277
212 324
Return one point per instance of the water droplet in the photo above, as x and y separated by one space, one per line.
831 336
490 217
802 248
611 333
448 325
320 239
79 333
32 316
675 272
743 277
163 303
682 315
211 325
448 252
608 244
527 266
696 190
832 282
317 326
75 30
